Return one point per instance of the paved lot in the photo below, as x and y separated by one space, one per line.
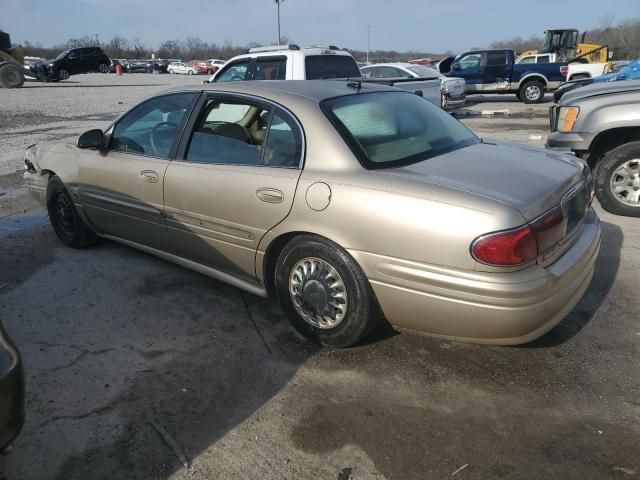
135 365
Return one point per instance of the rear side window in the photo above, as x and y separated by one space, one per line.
387 129
543 59
495 59
331 66
271 68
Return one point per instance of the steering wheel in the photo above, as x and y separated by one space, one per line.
156 142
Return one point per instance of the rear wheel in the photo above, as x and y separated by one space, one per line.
532 92
65 219
171 71
190 72
11 76
325 293
103 68
618 180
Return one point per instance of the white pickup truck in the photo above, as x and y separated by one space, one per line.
290 62
579 71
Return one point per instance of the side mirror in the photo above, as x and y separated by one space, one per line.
455 66
91 139
204 82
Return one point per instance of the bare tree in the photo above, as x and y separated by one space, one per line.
137 48
117 46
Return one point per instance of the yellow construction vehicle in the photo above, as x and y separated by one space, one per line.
563 42
12 71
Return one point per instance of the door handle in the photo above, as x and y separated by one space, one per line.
269 195
148 176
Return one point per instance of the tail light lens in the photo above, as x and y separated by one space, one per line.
520 245
510 247
564 69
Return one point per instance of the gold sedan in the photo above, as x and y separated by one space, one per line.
349 202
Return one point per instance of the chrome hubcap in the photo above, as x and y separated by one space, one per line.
318 293
625 183
532 92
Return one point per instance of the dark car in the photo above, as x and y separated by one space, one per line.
495 72
78 60
11 390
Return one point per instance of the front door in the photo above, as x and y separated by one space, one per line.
469 67
234 178
122 186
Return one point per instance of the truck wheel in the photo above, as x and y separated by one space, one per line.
11 76
618 180
532 92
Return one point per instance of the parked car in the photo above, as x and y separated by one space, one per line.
601 123
450 95
181 67
288 62
201 66
78 60
138 66
11 390
215 65
288 188
494 71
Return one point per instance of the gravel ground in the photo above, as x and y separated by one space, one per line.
134 365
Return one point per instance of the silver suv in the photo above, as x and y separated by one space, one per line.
601 123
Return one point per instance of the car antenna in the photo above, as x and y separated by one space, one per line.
355 83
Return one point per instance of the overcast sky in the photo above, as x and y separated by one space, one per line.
424 25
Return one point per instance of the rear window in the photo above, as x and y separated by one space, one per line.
387 129
331 66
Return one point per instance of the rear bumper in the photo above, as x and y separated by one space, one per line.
11 391
454 102
494 308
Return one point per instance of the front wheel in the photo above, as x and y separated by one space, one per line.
65 219
11 76
190 72
532 92
171 71
103 68
618 180
63 74
325 293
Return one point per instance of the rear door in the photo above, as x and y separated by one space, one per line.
269 68
496 71
233 179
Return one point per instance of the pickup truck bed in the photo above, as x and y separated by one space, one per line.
427 87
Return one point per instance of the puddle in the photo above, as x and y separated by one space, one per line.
18 222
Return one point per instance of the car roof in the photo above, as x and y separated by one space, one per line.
303 52
316 90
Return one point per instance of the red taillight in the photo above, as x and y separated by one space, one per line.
523 244
564 69
549 229
511 247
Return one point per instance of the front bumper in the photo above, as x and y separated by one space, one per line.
37 185
479 307
11 391
576 142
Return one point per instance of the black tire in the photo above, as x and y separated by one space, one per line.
607 170
11 76
362 313
67 223
63 74
103 68
532 92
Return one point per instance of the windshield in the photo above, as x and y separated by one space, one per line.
388 129
331 66
423 71
61 55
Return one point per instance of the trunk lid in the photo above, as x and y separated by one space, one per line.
531 180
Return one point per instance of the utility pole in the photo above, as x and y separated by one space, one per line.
278 2
368 41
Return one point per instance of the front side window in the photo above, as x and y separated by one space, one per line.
150 128
231 132
367 72
330 66
470 61
234 72
271 68
387 129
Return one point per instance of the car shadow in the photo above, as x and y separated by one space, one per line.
606 270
